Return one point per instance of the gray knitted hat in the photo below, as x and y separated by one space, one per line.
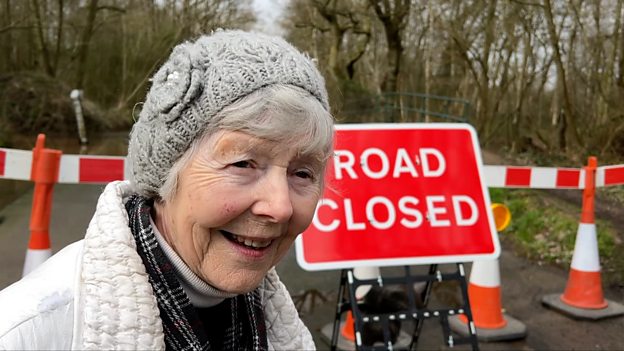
197 81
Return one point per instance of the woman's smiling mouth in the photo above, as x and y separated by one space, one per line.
255 244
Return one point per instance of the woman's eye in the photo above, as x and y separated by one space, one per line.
242 164
304 174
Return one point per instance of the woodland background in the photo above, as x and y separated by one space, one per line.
538 77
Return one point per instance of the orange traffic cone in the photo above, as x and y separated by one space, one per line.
584 288
44 172
583 296
346 338
484 293
348 329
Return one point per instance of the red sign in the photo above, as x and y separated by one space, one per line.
401 194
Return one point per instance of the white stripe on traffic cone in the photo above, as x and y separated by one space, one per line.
34 258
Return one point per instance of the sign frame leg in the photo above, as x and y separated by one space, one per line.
346 301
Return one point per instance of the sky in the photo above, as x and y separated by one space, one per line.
269 13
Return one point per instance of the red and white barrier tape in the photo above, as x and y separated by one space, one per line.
549 178
609 175
92 169
533 177
16 164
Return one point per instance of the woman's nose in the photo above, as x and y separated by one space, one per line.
274 199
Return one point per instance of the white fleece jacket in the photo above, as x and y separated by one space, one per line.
95 295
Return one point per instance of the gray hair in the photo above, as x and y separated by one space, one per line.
279 112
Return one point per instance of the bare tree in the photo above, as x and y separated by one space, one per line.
6 26
569 116
393 14
472 28
43 43
85 40
345 27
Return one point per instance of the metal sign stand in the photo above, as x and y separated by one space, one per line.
347 301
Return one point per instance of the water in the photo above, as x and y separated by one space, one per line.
106 144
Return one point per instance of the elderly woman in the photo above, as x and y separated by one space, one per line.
227 161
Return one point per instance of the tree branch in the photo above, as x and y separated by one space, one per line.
11 27
111 8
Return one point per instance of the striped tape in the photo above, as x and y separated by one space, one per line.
92 169
16 164
610 175
533 177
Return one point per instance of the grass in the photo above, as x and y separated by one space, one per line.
613 193
544 230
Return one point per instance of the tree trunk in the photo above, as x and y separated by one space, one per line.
568 110
428 59
59 36
395 50
83 47
620 78
124 62
518 119
609 75
361 50
43 45
617 34
341 70
334 51
392 14
484 113
8 43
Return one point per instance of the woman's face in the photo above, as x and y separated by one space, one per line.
240 203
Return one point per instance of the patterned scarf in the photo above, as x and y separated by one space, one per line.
183 329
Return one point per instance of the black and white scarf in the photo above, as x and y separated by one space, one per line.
183 329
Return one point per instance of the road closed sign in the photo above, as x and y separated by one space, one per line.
401 194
